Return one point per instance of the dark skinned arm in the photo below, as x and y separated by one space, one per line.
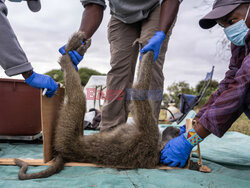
169 10
200 130
91 19
27 74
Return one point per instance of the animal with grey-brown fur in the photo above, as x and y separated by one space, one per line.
125 146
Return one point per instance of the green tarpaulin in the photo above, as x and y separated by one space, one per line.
228 157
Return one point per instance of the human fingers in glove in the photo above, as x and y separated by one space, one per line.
41 81
74 55
182 129
169 10
154 44
177 151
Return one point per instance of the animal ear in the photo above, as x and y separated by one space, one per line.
170 132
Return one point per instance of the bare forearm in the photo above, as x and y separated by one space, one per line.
91 19
27 74
169 10
200 130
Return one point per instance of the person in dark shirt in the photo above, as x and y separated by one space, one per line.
233 96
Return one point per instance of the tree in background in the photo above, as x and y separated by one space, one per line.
177 88
85 74
166 99
56 74
211 88
182 87
173 90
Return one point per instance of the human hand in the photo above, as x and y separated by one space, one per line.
176 152
154 44
182 129
74 55
42 81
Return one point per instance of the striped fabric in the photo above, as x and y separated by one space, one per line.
233 96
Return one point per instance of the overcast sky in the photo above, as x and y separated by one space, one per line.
192 50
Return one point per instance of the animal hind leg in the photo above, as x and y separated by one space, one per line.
141 108
72 79
73 110
75 106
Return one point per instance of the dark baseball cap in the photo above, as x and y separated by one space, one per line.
220 9
34 5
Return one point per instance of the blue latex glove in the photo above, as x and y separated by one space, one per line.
74 55
176 152
42 81
182 129
154 44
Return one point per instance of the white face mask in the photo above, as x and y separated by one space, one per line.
236 33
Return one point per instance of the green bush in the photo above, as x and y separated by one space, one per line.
85 74
184 88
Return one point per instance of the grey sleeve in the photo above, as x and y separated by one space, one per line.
12 57
99 2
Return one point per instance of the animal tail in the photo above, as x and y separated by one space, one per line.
56 167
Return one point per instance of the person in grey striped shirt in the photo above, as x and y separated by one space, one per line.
232 98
